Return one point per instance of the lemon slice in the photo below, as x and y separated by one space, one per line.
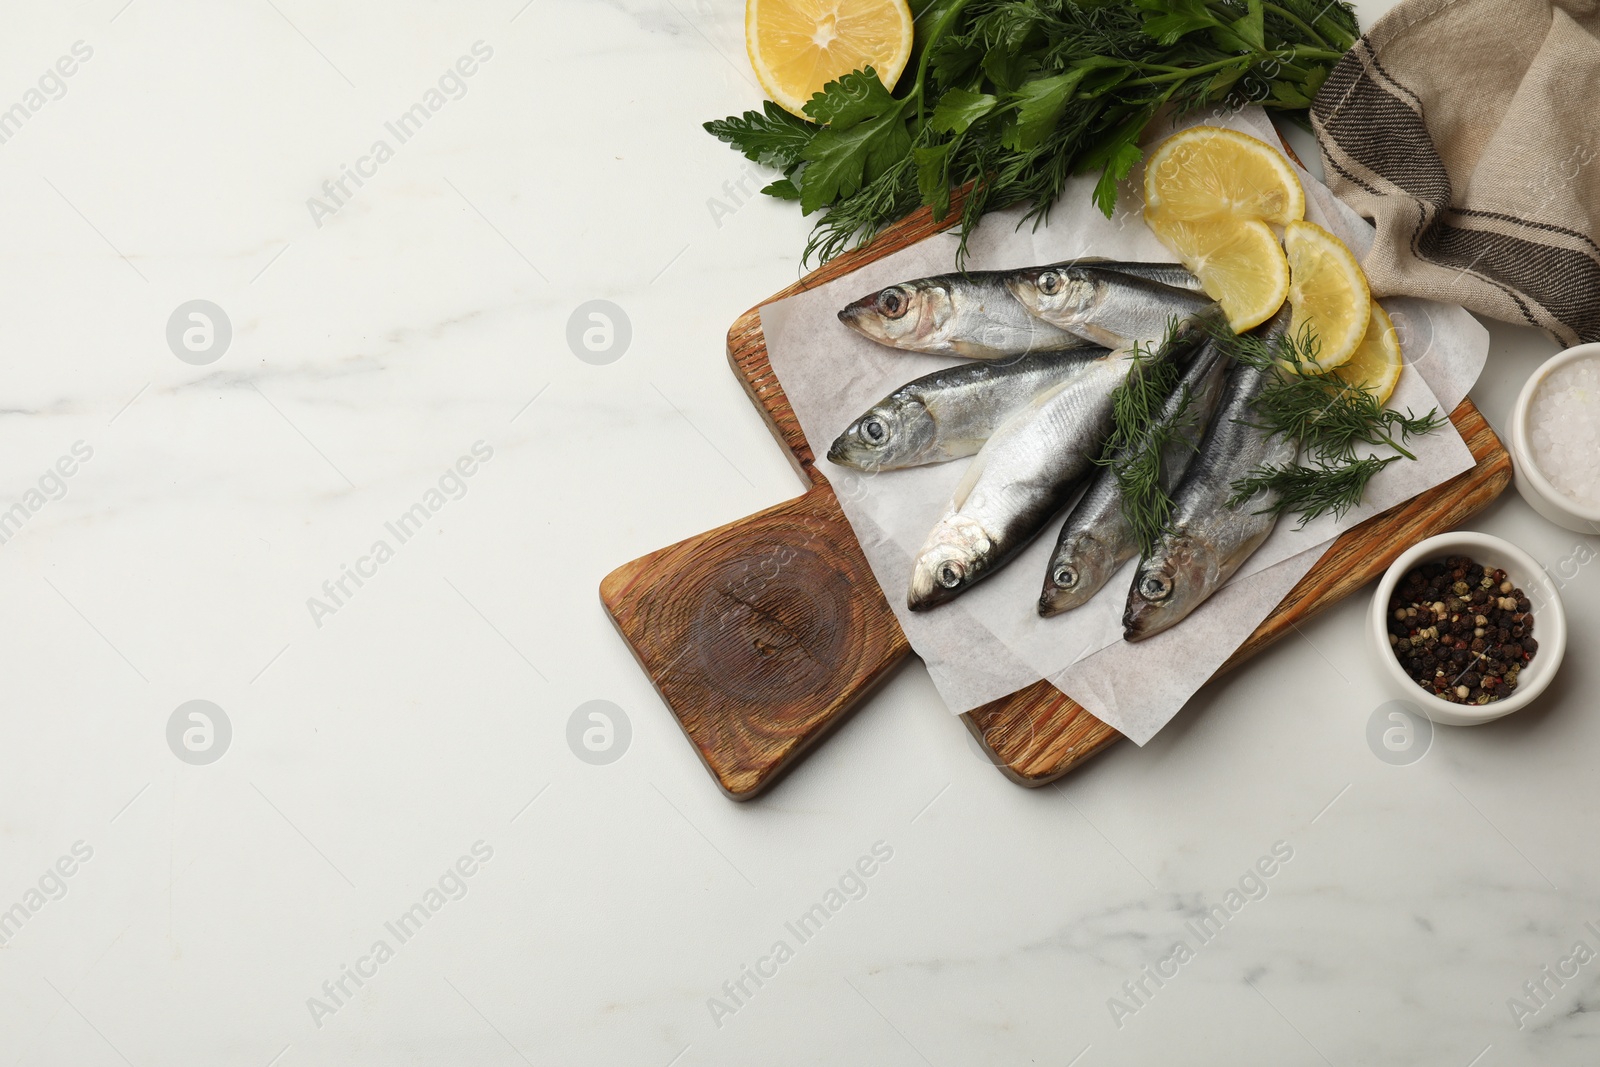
1207 171
1328 293
798 46
1238 261
1377 363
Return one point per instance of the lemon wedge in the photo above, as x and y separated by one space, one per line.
1328 293
1377 362
798 46
1208 172
1238 261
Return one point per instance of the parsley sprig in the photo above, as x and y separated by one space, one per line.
1008 99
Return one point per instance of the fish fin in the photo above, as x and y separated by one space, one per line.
969 478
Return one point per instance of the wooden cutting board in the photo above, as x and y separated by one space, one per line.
764 634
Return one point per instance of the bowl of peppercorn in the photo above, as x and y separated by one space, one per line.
1468 627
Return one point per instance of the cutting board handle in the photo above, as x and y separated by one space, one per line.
760 635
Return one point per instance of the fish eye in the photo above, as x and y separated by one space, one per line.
1155 587
1049 283
1065 576
950 574
874 431
893 303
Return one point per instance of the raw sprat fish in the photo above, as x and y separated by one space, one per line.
1101 305
1097 539
1207 539
975 316
952 412
1023 475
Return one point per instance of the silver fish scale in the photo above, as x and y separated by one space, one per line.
1033 462
950 413
976 316
1127 310
968 408
1207 540
989 319
1172 275
1026 472
1230 450
1097 539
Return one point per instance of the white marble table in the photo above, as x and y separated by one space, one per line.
397 766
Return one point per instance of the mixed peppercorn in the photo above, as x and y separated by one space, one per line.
1462 632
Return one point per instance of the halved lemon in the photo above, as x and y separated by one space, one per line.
1208 171
1377 363
1328 292
798 46
1238 261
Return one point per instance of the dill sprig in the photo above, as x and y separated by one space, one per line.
1143 430
1327 486
1141 475
1329 416
1009 99
1152 376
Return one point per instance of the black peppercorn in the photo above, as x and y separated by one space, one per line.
1471 649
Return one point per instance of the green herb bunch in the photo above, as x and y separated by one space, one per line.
1144 433
1008 99
1331 419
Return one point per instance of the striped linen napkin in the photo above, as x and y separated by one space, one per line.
1468 131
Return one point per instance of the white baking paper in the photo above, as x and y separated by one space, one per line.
990 641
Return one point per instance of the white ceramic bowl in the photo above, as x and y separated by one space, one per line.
1530 481
1549 625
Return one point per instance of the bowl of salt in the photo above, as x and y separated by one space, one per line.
1555 439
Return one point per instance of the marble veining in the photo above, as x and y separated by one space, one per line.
186 882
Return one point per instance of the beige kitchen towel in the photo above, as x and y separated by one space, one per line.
1468 131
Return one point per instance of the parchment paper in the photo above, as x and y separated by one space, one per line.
990 641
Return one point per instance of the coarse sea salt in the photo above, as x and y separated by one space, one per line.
1564 430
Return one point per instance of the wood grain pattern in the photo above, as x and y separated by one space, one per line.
757 669
760 635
